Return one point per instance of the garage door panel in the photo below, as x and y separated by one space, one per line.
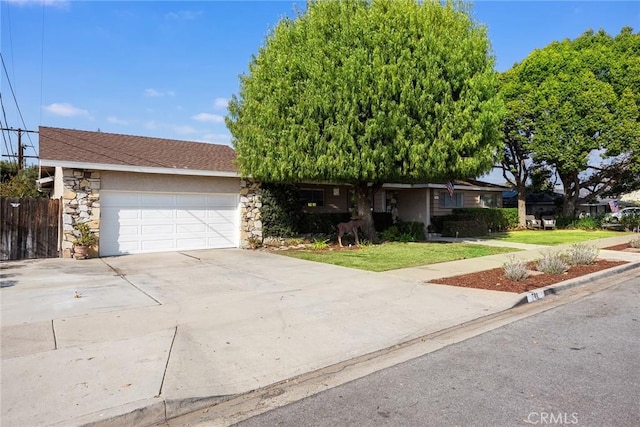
192 213
157 200
192 228
147 222
151 230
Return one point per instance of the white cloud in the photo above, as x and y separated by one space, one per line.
151 125
208 117
183 129
117 121
183 15
153 93
220 103
65 109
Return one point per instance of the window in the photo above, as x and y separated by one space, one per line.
447 201
312 198
489 200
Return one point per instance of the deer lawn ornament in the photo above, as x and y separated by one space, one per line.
349 227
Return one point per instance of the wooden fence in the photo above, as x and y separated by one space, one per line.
29 228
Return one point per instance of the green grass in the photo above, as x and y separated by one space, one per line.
390 256
554 237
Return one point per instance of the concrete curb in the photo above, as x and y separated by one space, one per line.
572 283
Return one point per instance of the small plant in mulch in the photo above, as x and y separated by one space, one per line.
582 254
552 263
318 244
515 269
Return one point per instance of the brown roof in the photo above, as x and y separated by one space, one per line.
68 145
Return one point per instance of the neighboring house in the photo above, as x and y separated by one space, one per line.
537 204
600 206
142 194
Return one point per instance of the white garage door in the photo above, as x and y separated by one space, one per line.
132 222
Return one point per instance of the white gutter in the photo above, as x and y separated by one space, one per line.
138 169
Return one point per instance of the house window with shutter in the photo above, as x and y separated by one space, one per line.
447 201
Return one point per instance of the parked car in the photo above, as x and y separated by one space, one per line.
617 216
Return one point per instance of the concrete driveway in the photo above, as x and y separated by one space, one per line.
88 340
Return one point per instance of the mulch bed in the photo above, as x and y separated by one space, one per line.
494 279
623 247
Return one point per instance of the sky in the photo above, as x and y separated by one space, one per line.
168 68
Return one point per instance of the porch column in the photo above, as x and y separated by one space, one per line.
427 221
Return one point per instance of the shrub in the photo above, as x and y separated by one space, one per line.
382 220
565 221
413 230
464 228
391 234
630 222
322 223
404 232
584 223
515 269
281 210
582 254
552 263
497 219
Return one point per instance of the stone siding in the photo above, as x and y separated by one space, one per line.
80 204
250 215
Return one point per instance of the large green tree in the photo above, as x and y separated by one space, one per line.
578 107
369 91
515 162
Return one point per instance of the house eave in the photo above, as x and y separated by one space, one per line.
443 186
136 169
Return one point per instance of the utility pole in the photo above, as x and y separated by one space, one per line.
20 154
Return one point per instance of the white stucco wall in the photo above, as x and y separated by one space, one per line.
127 181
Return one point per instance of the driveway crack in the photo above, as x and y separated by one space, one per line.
124 277
53 331
166 366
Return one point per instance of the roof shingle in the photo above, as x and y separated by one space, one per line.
70 145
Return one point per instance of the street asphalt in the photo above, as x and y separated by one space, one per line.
139 339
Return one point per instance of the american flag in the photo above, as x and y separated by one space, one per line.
613 204
450 188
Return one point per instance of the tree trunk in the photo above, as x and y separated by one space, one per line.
363 205
571 191
522 208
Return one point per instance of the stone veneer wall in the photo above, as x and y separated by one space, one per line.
250 215
80 204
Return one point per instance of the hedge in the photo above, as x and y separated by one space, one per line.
473 222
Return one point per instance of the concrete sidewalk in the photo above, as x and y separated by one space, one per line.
137 339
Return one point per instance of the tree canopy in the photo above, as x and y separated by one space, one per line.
18 183
574 108
365 92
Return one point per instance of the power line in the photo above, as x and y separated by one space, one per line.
14 98
20 156
7 145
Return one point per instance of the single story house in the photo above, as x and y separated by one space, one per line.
537 204
142 194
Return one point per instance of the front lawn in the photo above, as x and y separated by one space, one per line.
553 237
390 256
